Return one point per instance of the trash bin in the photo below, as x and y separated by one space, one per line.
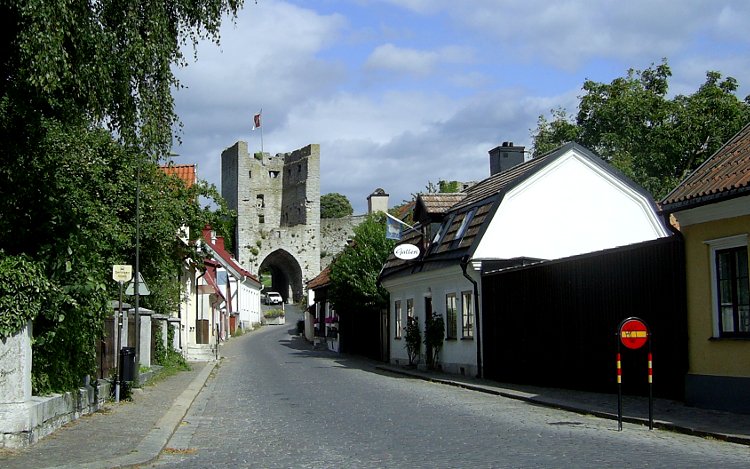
127 364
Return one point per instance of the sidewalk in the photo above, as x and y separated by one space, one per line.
669 415
133 433
124 434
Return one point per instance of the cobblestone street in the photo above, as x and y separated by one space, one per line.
276 402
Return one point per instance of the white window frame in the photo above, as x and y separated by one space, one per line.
451 327
715 245
397 317
467 310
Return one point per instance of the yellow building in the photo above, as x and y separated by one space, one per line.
712 209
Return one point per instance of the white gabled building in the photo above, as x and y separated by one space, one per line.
240 288
566 202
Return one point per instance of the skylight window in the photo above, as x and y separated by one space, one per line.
464 224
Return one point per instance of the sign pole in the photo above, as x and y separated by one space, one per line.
619 388
650 386
120 274
118 376
633 333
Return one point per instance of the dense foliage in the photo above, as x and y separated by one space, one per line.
434 333
86 113
355 271
413 339
335 205
656 140
23 291
107 62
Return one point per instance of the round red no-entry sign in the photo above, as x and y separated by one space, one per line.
633 333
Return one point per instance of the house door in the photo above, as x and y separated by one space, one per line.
385 339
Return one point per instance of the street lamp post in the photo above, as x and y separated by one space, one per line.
136 280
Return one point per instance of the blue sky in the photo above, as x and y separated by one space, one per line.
400 93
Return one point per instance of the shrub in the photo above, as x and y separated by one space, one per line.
273 313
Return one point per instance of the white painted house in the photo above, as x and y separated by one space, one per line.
240 288
560 204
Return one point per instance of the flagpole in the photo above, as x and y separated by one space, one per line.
402 222
260 122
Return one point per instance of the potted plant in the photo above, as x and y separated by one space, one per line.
413 339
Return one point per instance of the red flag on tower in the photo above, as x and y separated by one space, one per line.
256 120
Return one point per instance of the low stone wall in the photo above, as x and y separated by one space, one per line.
24 423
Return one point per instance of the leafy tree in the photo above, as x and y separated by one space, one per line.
355 271
632 123
448 187
76 221
335 205
85 106
110 61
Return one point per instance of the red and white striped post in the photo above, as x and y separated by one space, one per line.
633 333
619 389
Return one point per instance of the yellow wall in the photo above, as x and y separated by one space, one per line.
718 357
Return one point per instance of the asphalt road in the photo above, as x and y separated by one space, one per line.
275 402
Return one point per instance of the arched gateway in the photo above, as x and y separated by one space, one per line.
286 274
277 201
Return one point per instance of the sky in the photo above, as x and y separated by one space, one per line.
402 93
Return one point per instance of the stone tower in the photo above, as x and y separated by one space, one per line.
277 200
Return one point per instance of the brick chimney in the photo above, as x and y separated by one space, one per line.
209 235
505 157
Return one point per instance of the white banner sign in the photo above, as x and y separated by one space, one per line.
406 251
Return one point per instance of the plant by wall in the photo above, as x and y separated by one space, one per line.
24 292
413 339
433 339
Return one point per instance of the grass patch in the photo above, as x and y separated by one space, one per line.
172 364
180 450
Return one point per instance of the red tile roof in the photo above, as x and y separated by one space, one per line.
725 174
186 172
224 257
322 279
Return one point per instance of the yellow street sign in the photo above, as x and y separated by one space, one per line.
122 273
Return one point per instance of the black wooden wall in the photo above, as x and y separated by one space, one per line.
554 324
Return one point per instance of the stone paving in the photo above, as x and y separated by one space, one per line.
275 401
97 439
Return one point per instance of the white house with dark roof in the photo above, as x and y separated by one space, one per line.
566 202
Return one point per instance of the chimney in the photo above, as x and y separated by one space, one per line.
504 157
377 201
207 234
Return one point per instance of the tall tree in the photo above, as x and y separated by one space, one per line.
85 104
354 273
335 205
656 140
109 62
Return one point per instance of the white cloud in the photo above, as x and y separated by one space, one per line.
567 34
401 60
395 104
421 63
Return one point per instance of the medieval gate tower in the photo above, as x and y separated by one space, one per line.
277 200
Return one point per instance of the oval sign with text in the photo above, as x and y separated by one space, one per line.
406 251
